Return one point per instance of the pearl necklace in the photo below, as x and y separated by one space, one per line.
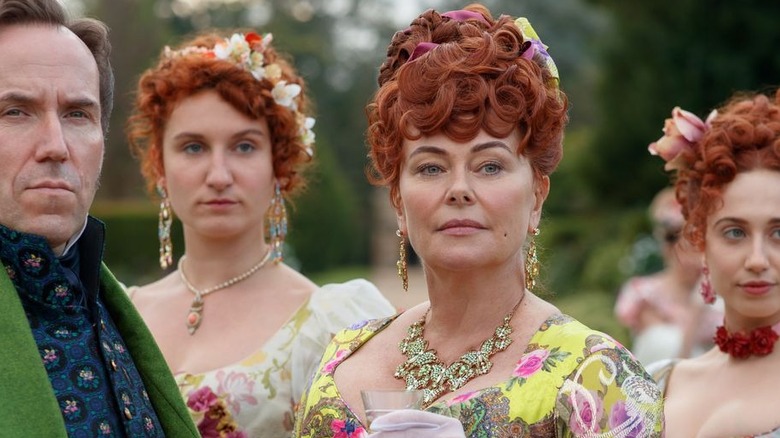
195 315
424 370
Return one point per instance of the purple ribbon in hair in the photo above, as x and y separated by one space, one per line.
460 15
530 48
421 49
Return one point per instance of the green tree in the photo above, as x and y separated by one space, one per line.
136 35
666 53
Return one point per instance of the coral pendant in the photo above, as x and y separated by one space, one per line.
195 317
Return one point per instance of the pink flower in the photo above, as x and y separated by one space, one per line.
201 400
71 406
333 363
530 363
587 411
238 389
208 427
681 132
347 429
49 355
463 398
620 417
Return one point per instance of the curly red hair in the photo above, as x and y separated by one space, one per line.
745 135
475 79
160 89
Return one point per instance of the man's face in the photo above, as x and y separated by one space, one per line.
51 142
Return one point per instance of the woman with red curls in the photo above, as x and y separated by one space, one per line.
728 183
223 131
465 130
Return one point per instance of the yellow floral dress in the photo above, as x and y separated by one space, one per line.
571 381
257 396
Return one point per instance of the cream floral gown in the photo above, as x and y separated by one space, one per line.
257 396
571 381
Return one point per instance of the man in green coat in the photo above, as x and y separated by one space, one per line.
75 357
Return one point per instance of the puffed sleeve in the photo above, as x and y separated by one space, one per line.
609 394
332 307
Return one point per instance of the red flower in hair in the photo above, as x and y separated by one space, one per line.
252 38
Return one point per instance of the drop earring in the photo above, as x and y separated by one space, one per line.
277 224
165 219
531 262
401 263
706 290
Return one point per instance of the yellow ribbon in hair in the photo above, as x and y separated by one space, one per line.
529 34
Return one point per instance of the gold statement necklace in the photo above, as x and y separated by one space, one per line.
424 370
195 315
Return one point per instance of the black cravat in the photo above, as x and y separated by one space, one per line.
72 268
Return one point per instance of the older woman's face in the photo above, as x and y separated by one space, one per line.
742 248
465 205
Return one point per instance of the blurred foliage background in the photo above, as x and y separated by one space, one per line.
623 64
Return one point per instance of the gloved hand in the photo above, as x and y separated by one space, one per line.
410 423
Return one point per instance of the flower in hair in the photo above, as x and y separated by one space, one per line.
681 132
306 132
284 94
245 51
248 52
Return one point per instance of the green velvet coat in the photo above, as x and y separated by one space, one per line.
28 407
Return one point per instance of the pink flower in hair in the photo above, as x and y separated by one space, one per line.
681 132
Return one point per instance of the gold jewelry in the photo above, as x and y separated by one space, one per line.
401 263
531 262
165 218
424 370
195 315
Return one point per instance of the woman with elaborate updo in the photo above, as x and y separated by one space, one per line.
728 182
465 129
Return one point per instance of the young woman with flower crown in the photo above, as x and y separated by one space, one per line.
728 182
221 128
465 129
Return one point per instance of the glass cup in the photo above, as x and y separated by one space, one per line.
378 402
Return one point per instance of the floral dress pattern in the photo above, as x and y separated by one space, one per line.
571 381
257 396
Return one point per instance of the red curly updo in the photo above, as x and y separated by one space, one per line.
474 79
161 88
745 135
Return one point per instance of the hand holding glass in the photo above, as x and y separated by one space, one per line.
378 402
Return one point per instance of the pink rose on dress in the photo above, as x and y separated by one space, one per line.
347 429
238 389
681 132
619 417
333 363
202 399
587 411
530 363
